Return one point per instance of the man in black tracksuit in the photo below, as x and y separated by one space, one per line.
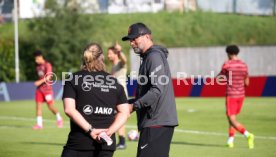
154 103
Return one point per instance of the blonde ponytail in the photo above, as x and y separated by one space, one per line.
93 58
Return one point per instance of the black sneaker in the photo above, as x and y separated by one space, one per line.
121 146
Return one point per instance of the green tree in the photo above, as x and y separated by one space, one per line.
61 34
7 70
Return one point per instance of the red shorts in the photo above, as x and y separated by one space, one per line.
233 105
41 97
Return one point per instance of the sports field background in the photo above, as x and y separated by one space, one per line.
202 130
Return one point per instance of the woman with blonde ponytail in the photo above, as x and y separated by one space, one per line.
93 58
91 98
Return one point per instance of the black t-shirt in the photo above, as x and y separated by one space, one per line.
97 95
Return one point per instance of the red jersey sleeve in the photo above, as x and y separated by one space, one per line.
224 69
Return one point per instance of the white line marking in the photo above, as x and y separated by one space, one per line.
25 119
29 127
134 127
221 134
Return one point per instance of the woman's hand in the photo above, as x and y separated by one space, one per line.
95 133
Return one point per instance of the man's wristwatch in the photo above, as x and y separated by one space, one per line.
90 129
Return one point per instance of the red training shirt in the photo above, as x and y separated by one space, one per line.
236 71
42 70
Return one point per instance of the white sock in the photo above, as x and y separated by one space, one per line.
39 120
230 139
246 133
58 116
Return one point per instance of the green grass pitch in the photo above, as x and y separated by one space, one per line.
202 130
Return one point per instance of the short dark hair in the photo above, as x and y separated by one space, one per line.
37 53
232 49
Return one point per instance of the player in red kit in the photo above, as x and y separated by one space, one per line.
236 72
44 91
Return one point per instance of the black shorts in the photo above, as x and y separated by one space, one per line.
93 153
155 141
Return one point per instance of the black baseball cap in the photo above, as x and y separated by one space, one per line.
135 30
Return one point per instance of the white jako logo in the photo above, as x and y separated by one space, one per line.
87 109
86 86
